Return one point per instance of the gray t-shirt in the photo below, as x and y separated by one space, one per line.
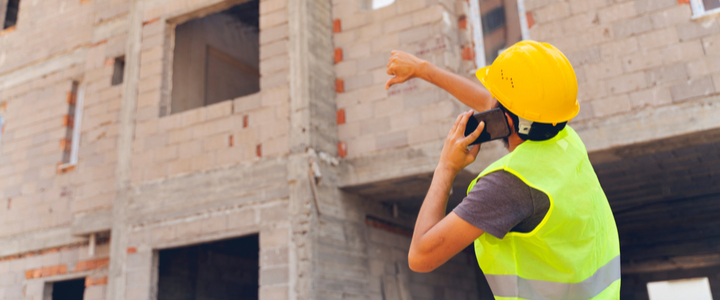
500 203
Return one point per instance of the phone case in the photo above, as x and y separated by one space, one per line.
496 126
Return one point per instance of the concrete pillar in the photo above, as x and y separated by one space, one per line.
118 254
312 124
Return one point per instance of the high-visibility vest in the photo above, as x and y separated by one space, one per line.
574 253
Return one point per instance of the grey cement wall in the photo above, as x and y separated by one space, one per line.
241 167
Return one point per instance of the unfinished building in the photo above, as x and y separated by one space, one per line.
247 149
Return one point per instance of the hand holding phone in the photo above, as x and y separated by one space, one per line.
496 125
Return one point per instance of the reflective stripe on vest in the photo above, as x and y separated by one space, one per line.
517 287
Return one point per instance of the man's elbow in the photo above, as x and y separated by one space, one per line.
420 264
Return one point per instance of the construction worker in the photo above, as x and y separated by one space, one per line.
540 221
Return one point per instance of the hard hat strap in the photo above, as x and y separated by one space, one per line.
524 126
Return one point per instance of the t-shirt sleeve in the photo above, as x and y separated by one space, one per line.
498 202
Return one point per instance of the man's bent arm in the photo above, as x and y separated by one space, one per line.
405 66
468 92
437 237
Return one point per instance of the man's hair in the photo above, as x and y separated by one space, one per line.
538 131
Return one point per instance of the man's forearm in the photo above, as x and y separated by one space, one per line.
434 206
472 94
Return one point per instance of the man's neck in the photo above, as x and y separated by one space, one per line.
513 141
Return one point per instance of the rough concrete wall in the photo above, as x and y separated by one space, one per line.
243 130
230 202
76 43
371 119
639 60
25 276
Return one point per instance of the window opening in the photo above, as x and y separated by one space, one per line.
496 25
118 70
11 13
701 8
71 142
221 270
66 290
216 58
381 3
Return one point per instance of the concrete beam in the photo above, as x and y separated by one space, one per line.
38 240
94 221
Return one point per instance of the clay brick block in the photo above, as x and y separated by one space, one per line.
342 149
91 281
340 116
692 30
92 264
416 34
273 34
274 237
651 97
428 15
337 25
551 12
391 140
658 38
642 61
274 276
468 53
611 106
665 74
530 19
626 83
273 19
686 51
247 103
672 16
346 68
580 6
643 6
632 26
272 6
218 110
131 250
339 85
277 48
397 24
693 88
405 6
338 55
617 12
356 82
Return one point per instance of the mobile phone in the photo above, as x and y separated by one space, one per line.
496 125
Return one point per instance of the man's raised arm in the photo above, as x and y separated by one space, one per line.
405 66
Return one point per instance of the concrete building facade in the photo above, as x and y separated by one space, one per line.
134 166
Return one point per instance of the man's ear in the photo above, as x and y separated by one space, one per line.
510 122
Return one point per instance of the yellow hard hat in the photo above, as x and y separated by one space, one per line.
535 81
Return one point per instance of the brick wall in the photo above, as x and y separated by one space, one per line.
55 44
631 55
245 129
25 276
408 114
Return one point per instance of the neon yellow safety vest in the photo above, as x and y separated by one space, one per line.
574 253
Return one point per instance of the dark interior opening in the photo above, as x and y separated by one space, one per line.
221 270
11 13
216 58
68 289
118 71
